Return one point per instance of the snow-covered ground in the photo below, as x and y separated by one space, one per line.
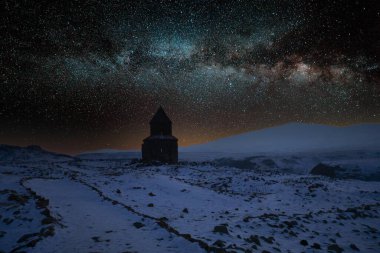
91 224
238 205
209 202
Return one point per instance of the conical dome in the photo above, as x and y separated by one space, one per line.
160 117
160 124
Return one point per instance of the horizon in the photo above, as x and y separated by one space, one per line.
181 147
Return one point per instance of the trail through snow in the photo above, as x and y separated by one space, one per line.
91 224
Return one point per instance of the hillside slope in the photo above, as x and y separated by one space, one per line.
296 137
33 153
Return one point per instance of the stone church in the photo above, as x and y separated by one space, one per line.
161 145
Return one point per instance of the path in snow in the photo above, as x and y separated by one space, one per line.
92 224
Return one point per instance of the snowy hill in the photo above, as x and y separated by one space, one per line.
297 137
33 153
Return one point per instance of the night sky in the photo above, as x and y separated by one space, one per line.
85 75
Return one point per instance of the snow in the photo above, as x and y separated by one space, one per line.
10 153
90 224
296 137
226 200
250 203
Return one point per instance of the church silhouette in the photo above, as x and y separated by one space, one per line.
161 145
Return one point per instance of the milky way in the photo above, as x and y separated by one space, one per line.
86 75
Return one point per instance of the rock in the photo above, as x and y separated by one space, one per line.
255 239
42 203
219 243
247 218
324 170
33 243
304 243
26 237
354 247
269 163
164 219
151 194
335 248
48 220
8 221
150 205
185 210
316 246
268 240
96 238
18 198
46 212
290 224
48 231
138 225
221 229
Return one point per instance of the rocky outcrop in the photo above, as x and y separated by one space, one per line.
325 170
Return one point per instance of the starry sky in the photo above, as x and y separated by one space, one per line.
86 75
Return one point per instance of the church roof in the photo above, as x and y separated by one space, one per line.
160 117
